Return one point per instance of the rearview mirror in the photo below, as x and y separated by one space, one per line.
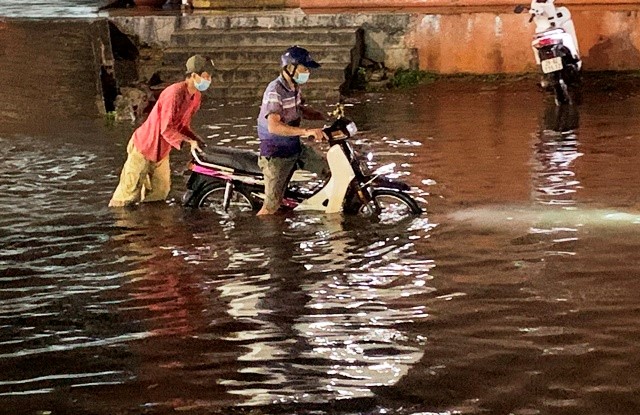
519 9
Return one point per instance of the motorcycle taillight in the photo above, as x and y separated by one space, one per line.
545 41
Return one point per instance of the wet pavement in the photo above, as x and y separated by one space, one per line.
514 294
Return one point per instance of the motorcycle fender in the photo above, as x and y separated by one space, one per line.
195 184
197 181
187 198
330 198
561 51
192 182
382 182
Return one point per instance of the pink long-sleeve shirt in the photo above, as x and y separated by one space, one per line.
169 122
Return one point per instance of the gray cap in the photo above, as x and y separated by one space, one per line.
199 64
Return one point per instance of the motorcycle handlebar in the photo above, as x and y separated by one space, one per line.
340 125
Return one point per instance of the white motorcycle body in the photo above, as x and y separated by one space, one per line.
554 23
330 198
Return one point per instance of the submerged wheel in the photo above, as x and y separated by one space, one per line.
212 198
394 206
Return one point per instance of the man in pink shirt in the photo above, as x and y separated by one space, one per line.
146 176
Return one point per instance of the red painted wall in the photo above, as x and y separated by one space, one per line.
368 4
485 36
500 43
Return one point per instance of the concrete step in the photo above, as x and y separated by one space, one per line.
310 38
269 19
253 54
237 4
248 58
253 73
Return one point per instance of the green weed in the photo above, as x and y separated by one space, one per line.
405 78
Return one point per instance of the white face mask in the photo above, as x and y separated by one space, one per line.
302 78
202 85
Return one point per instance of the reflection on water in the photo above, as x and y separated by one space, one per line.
50 8
343 336
556 149
515 293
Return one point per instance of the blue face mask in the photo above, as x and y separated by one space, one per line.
302 78
203 85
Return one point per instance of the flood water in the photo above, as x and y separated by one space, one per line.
51 8
516 292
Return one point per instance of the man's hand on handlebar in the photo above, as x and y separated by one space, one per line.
316 133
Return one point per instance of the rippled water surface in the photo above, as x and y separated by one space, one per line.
515 293
51 8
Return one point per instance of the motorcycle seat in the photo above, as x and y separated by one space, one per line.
549 32
245 161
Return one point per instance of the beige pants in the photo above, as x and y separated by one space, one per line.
141 180
278 171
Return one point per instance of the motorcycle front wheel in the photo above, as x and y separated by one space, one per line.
212 198
389 206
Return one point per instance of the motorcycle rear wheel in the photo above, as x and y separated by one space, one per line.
394 206
561 90
212 198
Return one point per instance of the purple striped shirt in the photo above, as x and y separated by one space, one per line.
279 99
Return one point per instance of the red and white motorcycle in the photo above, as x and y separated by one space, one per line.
555 48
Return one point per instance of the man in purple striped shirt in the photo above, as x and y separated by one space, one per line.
282 109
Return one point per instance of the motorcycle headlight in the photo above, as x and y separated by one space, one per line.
364 167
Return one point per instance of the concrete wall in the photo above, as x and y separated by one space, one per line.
244 4
486 42
57 59
452 40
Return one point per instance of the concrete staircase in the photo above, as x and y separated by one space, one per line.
248 58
